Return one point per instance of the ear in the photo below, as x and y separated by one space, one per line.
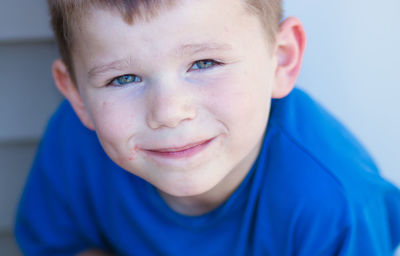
290 46
70 91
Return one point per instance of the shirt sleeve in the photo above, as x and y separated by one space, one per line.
375 226
44 225
48 222
353 228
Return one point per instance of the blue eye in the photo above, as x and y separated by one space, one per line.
125 79
204 64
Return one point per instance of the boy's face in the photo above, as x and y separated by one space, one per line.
181 100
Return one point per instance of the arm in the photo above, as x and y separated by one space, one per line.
46 223
369 229
54 216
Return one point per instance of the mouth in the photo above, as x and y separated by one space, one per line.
185 151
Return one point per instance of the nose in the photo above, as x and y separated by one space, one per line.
169 105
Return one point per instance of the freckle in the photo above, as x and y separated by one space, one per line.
104 104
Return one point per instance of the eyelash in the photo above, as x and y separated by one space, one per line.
214 64
136 79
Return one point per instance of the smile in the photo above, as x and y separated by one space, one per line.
186 151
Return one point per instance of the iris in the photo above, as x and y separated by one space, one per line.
126 79
203 64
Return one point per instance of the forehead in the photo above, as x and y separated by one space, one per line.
190 26
130 10
82 15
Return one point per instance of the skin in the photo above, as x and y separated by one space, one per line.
173 103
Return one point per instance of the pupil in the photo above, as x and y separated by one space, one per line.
126 79
205 63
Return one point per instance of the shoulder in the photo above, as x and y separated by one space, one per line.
309 125
320 181
298 187
65 129
315 135
66 146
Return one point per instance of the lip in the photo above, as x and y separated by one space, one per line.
185 151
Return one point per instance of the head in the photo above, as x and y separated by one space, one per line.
178 92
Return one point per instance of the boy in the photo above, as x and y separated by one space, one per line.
178 93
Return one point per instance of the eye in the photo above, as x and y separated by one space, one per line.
125 79
204 64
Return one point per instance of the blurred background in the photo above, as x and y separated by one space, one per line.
351 66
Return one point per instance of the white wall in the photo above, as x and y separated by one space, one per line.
23 19
28 94
352 66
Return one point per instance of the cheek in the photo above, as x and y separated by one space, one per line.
241 99
116 130
114 124
109 121
242 105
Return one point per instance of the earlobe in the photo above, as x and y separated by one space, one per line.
70 91
290 46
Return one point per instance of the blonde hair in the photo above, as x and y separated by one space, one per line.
65 14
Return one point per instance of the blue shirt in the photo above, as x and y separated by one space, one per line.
313 190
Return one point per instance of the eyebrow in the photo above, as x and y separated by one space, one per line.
197 48
185 49
115 65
